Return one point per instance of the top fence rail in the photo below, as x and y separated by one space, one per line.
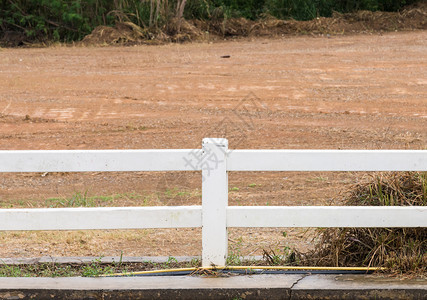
237 160
95 160
327 160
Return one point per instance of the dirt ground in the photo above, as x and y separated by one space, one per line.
329 92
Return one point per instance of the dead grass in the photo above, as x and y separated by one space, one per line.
146 242
400 250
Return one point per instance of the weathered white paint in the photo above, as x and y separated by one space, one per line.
100 218
326 216
214 202
327 160
96 160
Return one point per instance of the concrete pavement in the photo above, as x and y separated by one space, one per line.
234 287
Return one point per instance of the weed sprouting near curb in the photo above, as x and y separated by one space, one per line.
96 269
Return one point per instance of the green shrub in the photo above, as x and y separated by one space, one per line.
71 20
53 20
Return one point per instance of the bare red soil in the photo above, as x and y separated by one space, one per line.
347 92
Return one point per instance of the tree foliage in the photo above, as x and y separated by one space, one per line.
70 20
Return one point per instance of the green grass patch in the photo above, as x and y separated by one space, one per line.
79 199
93 269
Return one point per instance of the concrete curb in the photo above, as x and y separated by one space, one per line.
234 287
182 287
358 287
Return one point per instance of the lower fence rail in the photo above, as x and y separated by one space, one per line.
326 216
191 217
100 218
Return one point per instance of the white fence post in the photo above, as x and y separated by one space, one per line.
214 202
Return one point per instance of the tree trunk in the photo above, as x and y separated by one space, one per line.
180 5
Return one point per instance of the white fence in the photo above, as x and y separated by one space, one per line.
214 216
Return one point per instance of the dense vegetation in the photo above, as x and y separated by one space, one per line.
70 20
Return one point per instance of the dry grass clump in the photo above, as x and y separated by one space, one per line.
121 33
399 250
128 33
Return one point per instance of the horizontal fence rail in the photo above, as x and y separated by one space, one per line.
100 218
214 216
326 216
96 160
327 160
191 217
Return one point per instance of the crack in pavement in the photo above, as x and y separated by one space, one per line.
294 284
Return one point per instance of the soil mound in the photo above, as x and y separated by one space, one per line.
127 33
121 33
411 18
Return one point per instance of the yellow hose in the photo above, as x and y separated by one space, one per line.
249 268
